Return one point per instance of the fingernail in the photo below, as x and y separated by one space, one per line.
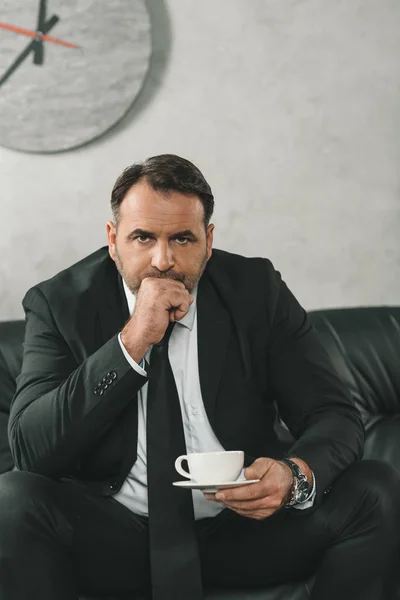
220 496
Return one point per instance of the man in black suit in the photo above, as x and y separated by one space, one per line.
75 515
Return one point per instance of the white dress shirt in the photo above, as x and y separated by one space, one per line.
199 436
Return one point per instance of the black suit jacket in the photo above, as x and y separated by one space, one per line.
75 410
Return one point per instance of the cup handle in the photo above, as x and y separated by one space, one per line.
178 466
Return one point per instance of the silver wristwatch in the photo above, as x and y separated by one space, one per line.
301 489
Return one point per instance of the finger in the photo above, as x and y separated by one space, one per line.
251 505
209 496
258 468
253 491
181 311
179 299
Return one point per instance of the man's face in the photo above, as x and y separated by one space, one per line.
160 235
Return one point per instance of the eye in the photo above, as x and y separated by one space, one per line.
143 239
181 240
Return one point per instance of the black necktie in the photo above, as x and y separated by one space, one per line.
174 556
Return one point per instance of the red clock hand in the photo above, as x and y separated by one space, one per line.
35 34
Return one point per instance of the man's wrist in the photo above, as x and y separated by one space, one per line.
138 367
136 349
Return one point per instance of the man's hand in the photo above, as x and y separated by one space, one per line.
158 302
263 499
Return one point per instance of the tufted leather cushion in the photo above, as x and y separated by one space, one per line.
364 345
11 338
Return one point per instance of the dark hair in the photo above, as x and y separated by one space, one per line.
165 173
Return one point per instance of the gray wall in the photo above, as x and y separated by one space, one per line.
291 109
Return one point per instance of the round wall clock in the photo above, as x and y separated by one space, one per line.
69 69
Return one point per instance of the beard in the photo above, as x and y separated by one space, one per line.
133 282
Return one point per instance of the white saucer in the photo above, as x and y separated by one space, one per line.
213 487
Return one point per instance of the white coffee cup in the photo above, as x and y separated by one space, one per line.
212 467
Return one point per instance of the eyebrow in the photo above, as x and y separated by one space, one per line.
185 233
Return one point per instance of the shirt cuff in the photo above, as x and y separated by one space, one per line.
138 368
310 500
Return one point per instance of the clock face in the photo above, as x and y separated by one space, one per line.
69 69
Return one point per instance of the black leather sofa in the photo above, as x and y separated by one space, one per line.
364 344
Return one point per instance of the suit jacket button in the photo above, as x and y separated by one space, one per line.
112 374
113 485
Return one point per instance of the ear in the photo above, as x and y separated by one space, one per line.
111 237
209 239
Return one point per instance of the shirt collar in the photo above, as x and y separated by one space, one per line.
188 319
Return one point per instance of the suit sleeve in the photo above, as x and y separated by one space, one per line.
312 400
60 407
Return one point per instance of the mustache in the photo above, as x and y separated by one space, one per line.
165 275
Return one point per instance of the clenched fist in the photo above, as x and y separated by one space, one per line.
159 301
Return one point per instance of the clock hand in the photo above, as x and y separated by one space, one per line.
35 34
49 38
47 26
38 54
16 63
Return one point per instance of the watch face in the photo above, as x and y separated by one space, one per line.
69 69
303 491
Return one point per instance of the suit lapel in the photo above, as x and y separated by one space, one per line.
213 329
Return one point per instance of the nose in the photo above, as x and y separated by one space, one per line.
162 258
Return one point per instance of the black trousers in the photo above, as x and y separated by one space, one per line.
58 539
